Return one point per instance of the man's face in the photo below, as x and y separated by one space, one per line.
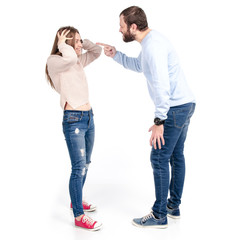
126 34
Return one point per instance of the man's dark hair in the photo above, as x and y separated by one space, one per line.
135 15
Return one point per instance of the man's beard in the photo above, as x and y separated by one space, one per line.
128 37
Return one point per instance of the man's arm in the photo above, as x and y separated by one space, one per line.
157 60
133 64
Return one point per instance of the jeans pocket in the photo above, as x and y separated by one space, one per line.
180 117
72 119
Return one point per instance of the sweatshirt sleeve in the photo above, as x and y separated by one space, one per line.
159 84
133 64
57 64
93 52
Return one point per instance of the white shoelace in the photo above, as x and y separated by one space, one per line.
88 220
150 215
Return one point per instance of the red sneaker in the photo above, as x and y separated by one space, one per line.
87 207
88 223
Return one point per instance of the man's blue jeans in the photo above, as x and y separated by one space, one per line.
78 128
175 133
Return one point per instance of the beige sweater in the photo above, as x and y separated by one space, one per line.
68 75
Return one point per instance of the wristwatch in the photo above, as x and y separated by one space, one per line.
158 121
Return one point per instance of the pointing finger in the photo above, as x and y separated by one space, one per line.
103 44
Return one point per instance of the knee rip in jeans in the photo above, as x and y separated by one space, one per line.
82 152
85 169
77 131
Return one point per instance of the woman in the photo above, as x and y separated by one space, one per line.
66 75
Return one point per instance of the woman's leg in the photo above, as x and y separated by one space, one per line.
89 142
74 128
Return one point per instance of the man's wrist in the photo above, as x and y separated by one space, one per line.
158 121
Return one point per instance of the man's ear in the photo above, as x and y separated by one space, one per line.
133 27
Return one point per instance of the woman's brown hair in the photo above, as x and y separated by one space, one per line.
55 50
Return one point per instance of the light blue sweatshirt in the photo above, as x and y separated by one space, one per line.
165 79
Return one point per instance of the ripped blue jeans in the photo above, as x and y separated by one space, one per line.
79 131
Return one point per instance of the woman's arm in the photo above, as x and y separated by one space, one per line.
57 64
93 52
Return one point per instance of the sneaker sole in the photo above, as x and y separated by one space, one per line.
174 217
153 226
90 210
89 229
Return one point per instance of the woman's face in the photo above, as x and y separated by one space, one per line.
78 44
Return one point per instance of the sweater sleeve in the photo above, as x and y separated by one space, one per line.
157 61
57 64
93 52
133 64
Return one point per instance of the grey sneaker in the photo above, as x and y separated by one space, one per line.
149 221
173 212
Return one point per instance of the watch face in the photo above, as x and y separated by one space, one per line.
157 121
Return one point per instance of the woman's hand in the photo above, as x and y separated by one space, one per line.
63 36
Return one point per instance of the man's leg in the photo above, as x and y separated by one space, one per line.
174 132
177 162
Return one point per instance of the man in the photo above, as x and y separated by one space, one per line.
174 106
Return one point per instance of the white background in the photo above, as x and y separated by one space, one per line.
35 165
